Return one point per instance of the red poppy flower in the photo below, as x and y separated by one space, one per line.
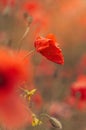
12 72
14 112
37 11
31 7
78 93
49 48
78 88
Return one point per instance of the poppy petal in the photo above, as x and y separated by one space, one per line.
49 48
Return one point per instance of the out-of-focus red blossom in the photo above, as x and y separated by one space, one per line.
45 68
49 48
60 109
12 72
78 93
37 100
15 113
31 7
37 11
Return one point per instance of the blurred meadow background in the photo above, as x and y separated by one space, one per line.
61 89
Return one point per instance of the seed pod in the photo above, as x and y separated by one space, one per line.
28 18
55 123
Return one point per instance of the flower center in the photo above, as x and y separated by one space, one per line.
3 81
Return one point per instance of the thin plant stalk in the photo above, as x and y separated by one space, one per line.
29 53
29 21
23 37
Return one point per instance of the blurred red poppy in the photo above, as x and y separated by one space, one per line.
38 12
14 112
49 48
12 72
77 97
